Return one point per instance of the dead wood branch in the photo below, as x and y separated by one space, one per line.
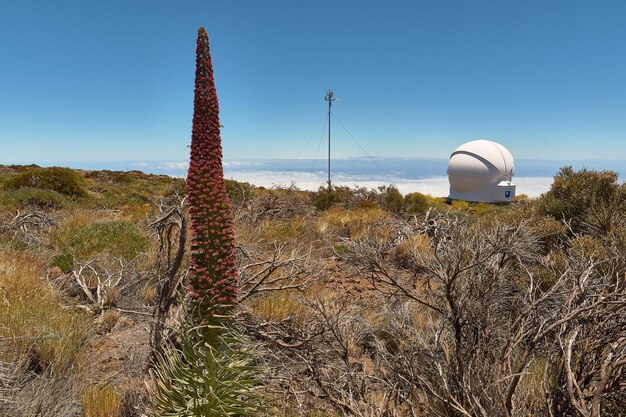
171 230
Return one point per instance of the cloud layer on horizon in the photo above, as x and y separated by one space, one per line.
435 186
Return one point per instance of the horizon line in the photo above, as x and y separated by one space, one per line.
293 160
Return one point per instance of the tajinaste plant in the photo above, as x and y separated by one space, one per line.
208 370
213 275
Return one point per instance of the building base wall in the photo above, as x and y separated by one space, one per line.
503 192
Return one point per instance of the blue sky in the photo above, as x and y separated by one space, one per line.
113 80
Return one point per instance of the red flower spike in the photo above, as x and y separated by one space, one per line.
213 246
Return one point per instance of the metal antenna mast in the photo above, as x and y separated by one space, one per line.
330 97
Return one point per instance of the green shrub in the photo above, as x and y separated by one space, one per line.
110 177
588 248
116 238
119 190
64 261
61 180
574 193
415 203
238 192
391 198
549 230
483 209
460 205
119 195
35 197
366 205
175 189
326 200
521 197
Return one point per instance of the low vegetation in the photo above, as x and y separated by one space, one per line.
355 302
82 239
61 180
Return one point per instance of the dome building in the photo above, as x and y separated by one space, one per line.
481 171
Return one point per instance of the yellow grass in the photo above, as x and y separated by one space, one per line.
42 333
298 229
150 294
109 319
414 246
101 402
355 224
278 306
460 205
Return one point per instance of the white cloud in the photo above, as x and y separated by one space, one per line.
435 186
532 186
239 163
173 165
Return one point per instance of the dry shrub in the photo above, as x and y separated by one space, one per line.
276 203
101 402
25 229
287 410
548 229
536 347
133 404
40 396
588 247
32 318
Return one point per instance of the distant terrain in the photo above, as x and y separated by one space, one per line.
426 175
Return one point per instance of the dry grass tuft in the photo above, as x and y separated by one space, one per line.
412 247
108 320
33 321
355 224
278 306
149 294
101 402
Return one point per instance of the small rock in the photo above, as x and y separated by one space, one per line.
123 323
104 343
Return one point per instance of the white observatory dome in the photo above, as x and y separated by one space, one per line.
481 170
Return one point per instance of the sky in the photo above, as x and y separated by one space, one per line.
113 80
